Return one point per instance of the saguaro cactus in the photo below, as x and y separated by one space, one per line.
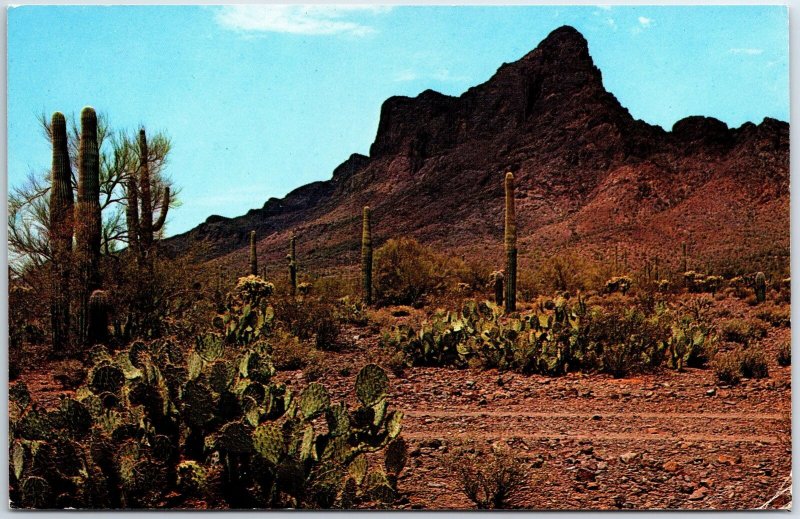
253 255
683 261
366 256
761 287
511 246
61 227
141 227
99 309
87 218
496 280
292 265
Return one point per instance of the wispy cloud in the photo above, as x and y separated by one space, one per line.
644 23
604 7
442 75
299 19
749 52
405 75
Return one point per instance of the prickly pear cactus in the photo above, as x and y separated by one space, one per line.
371 384
314 400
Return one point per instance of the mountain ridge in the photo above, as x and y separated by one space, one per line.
588 173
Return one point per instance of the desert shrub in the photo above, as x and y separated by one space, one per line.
566 271
728 367
628 340
288 352
785 353
754 364
310 320
326 328
474 272
406 271
490 480
776 315
743 331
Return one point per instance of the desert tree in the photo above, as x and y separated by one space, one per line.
119 156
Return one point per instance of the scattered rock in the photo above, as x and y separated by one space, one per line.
629 456
584 474
711 392
670 466
592 485
727 459
698 494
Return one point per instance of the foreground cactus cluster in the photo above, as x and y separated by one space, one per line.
160 423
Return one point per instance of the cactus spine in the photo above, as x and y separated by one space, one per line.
253 255
761 287
141 227
511 246
366 256
61 227
292 265
87 217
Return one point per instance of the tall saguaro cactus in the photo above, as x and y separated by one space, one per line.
87 217
253 255
60 234
141 227
761 287
292 257
510 246
366 256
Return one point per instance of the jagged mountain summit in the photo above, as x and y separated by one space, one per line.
589 176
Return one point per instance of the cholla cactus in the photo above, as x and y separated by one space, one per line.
60 234
496 281
619 284
304 288
253 289
511 246
366 256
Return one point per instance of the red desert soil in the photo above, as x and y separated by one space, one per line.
663 441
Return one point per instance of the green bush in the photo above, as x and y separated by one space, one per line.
406 271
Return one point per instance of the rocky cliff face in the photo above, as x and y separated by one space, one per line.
588 175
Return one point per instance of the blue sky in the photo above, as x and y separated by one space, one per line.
259 100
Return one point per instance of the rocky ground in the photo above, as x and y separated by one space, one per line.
663 441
